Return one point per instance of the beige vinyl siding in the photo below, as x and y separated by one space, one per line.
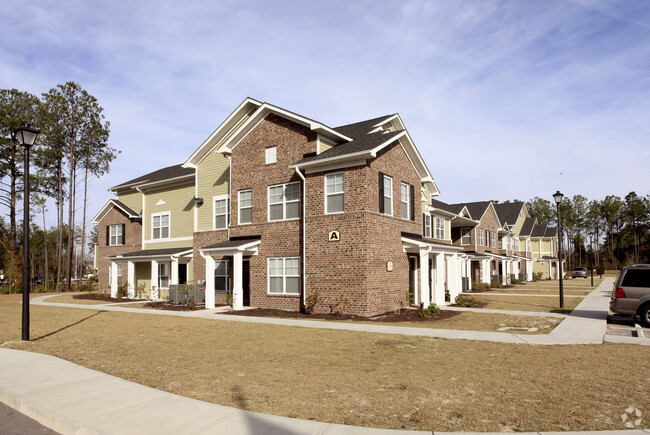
388 127
179 201
324 145
143 279
425 204
213 178
132 200
447 229
534 246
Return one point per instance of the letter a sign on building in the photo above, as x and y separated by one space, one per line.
334 236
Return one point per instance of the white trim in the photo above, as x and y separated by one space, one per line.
169 225
214 213
271 155
284 276
384 196
227 275
239 207
408 200
331 166
284 202
250 248
171 239
110 236
327 194
320 138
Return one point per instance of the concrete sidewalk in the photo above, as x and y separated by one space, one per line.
585 325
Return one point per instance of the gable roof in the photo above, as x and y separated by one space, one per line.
161 175
527 227
551 232
508 212
357 129
476 209
539 230
120 206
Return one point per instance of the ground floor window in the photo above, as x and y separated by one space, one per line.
119 275
284 275
163 275
221 275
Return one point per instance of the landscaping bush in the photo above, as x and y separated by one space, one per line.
463 302
478 286
430 311
496 284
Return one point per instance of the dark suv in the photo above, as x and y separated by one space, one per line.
631 293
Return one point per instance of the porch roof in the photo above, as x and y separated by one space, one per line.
235 244
153 254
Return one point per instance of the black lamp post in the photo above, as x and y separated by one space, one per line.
26 136
557 196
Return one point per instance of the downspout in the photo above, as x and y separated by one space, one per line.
304 243
229 193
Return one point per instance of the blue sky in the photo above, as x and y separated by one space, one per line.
504 99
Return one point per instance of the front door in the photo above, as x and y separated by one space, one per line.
246 282
413 279
182 273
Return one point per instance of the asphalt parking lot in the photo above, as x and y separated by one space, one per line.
625 326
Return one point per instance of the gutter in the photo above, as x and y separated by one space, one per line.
304 243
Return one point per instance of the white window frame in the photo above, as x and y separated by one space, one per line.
164 271
284 276
440 228
119 238
119 274
271 155
239 202
388 181
427 225
405 193
335 193
493 239
528 246
226 214
169 225
468 234
284 202
227 276
481 237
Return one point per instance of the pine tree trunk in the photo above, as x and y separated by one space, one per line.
83 226
47 272
70 221
59 224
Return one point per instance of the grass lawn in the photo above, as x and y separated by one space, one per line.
69 299
348 377
528 303
524 291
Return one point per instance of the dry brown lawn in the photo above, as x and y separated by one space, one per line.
69 299
528 303
348 377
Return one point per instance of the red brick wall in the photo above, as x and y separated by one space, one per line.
132 243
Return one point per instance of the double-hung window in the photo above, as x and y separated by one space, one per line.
160 226
284 201
528 248
116 235
493 236
335 193
163 275
427 224
221 212
221 275
405 200
481 237
440 228
119 275
388 195
284 275
465 236
245 206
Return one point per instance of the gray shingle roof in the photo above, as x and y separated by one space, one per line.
551 232
539 230
154 252
360 128
159 175
233 243
124 208
452 208
508 212
476 209
527 227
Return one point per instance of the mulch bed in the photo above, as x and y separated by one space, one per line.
104 297
403 315
161 305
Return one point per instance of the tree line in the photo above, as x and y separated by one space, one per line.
609 233
72 147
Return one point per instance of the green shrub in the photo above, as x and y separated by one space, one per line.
496 284
463 302
123 290
478 286
429 311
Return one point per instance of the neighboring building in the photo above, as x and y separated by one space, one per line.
282 211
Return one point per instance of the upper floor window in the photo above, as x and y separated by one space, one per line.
493 236
271 155
335 193
221 212
284 275
386 191
245 206
465 236
528 249
284 201
116 235
481 237
427 224
405 200
440 228
160 226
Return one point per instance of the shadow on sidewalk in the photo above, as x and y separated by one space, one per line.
49 334
256 424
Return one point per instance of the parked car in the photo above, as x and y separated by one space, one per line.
631 293
579 272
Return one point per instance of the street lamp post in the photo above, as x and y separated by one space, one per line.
26 136
591 260
557 196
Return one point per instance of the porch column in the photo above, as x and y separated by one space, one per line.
154 280
504 269
454 278
439 283
529 270
486 271
468 272
209 281
113 279
131 278
237 282
173 279
425 291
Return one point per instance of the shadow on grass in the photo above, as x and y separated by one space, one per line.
258 423
49 334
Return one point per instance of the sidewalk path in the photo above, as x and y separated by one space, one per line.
585 325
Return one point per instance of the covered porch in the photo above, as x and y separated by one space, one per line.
149 273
